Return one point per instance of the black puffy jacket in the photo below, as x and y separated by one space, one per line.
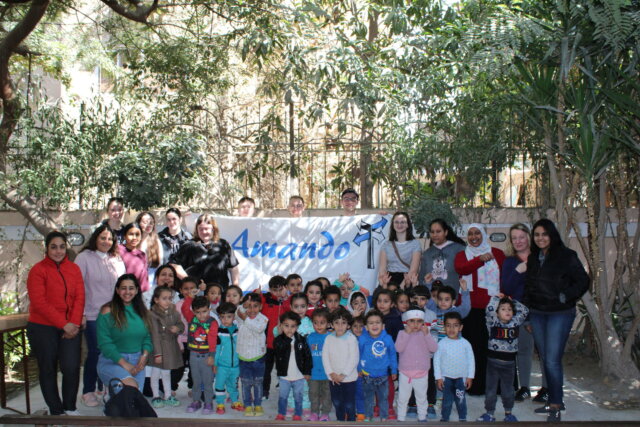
558 283
282 351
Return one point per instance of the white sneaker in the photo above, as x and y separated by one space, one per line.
73 413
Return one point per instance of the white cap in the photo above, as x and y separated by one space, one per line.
412 314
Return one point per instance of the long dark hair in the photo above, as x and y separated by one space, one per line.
176 281
129 227
117 306
92 244
52 235
409 233
552 231
451 235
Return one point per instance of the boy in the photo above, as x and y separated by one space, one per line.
504 318
246 207
272 308
201 341
251 352
319 394
340 362
293 364
226 362
377 360
293 285
357 327
454 367
331 297
415 346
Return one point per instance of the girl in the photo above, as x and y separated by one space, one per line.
358 305
402 301
150 243
400 255
313 290
233 294
166 325
213 293
172 236
135 260
115 213
437 261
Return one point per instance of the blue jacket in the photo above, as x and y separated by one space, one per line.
226 350
378 356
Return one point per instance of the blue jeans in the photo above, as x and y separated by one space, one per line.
90 374
252 374
343 398
285 388
378 387
359 397
454 391
550 333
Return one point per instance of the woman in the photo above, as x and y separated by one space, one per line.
437 261
135 260
172 236
514 273
207 257
400 255
101 265
123 335
56 293
115 212
555 281
480 264
152 248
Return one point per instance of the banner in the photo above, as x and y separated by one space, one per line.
310 247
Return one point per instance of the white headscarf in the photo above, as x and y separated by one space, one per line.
489 273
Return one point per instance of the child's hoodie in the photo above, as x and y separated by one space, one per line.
393 322
503 337
378 356
437 328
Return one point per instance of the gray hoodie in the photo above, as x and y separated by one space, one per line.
439 262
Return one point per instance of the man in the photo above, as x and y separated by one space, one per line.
296 206
246 207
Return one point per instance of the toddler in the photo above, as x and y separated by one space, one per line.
332 298
319 394
214 295
358 305
272 304
226 361
313 290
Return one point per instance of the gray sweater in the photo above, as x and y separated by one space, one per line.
439 262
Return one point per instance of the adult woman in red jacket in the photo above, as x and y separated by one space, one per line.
56 292
479 264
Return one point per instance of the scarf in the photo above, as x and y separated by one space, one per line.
489 273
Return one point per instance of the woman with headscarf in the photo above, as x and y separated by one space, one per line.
480 265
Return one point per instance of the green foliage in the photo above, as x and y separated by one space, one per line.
13 353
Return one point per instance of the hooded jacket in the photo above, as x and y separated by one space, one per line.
377 355
226 350
282 351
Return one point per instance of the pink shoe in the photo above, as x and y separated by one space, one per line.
324 417
313 417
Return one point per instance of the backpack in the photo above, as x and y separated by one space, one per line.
127 401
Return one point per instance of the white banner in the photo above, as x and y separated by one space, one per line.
310 247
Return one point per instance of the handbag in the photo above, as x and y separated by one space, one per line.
127 402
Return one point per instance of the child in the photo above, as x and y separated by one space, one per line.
402 301
272 308
313 290
357 328
166 325
293 363
332 298
188 290
226 362
504 317
293 284
415 345
214 295
319 394
233 294
203 331
358 305
251 352
340 361
324 281
454 367
377 360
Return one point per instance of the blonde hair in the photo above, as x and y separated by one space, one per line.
208 218
518 226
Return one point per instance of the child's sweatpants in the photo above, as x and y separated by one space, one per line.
202 375
419 386
320 397
227 380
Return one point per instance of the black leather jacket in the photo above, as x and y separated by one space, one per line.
282 351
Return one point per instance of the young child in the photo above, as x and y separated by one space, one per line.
319 394
214 295
293 364
188 290
358 305
340 361
313 290
378 360
227 364
233 294
251 352
293 284
357 328
454 367
445 302
504 317
415 345
324 281
272 308
332 298
166 325
203 331
402 301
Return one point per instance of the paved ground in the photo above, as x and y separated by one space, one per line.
580 407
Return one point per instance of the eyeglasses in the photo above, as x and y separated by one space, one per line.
350 199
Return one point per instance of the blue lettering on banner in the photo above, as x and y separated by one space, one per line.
292 251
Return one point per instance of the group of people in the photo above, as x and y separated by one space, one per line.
459 317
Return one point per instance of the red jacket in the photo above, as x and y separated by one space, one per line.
56 293
479 297
272 308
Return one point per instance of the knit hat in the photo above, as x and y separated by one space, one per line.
413 313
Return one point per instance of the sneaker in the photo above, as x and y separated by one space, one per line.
522 394
360 417
237 406
544 410
554 416
296 418
157 402
249 412
324 417
376 411
220 409
194 406
392 414
486 418
258 411
431 412
280 417
172 401
208 409
73 413
313 417
510 418
542 396
90 399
